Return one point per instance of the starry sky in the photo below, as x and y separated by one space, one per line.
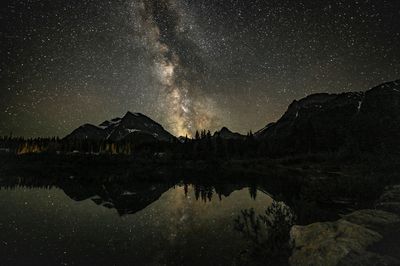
188 64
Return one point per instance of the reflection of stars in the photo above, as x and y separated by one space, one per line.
188 216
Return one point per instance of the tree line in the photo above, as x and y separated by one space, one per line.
202 146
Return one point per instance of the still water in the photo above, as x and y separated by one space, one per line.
147 224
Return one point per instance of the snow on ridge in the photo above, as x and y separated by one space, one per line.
360 103
129 130
109 123
134 114
128 193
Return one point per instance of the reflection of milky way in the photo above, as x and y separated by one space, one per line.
38 223
190 217
169 45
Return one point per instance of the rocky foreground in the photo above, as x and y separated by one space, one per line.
363 237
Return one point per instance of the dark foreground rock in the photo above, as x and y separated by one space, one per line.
363 237
390 200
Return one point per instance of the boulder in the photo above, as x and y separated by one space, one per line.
329 242
363 237
368 259
376 220
390 200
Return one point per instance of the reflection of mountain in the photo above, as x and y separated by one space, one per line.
205 192
126 199
227 189
131 200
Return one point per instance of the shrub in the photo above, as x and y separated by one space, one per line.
268 232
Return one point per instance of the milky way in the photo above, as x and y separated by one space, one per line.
187 64
175 64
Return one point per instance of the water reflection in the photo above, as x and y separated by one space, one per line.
72 223
129 198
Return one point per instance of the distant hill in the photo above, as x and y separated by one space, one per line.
328 122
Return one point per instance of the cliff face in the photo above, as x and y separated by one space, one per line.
326 122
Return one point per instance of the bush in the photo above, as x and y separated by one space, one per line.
268 232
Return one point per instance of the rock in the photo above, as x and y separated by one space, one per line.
363 237
329 242
391 194
373 219
390 200
389 206
368 259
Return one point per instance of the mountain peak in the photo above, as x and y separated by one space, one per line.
327 121
225 133
388 87
87 131
129 113
131 125
225 129
87 125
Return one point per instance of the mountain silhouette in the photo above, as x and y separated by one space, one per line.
320 122
225 133
328 122
130 126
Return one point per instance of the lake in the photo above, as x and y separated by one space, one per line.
107 224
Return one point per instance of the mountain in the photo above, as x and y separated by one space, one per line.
367 120
87 131
323 122
225 133
136 123
130 126
109 126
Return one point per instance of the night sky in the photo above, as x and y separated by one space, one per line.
188 64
